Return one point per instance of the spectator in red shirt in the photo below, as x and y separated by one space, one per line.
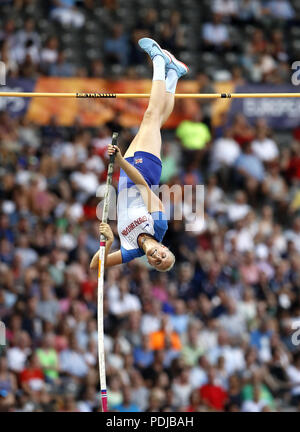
242 131
32 377
213 395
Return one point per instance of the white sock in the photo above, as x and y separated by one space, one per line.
171 81
159 68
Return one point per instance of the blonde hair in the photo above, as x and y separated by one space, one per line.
171 265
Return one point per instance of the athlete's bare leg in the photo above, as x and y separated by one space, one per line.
169 106
148 138
161 102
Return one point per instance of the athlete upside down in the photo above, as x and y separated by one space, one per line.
141 220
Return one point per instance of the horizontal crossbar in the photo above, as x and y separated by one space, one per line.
147 95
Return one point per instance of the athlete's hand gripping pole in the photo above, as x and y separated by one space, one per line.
101 353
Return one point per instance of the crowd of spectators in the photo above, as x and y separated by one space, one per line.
218 332
99 38
215 333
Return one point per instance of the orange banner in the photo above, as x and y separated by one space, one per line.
95 112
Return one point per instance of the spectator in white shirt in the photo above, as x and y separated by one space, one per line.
263 147
125 302
255 405
239 239
85 181
28 255
115 359
250 10
247 307
233 321
29 50
89 401
225 7
151 318
198 374
66 12
182 388
17 355
27 41
48 306
234 359
239 208
281 9
274 185
94 162
225 151
28 32
215 33
72 361
49 53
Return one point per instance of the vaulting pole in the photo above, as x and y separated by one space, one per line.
101 351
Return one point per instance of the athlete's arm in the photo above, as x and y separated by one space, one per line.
152 201
112 259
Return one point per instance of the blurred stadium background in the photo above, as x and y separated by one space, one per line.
217 332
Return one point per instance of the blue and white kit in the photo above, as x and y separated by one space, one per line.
133 216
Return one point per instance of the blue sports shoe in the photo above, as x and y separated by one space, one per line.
152 48
178 66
